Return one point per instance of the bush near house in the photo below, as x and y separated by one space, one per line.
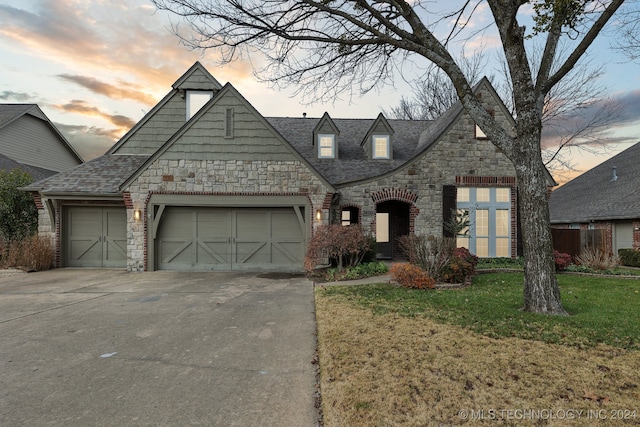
439 258
411 276
430 253
461 266
629 257
597 259
34 253
18 212
338 245
562 260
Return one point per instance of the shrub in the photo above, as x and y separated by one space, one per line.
361 271
18 212
430 253
34 253
461 266
629 257
562 260
411 276
597 259
338 244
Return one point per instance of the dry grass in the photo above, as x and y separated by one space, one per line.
388 370
33 253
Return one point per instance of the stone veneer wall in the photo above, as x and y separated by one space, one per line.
235 177
457 154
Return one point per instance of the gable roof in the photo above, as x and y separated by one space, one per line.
227 88
12 112
197 72
596 195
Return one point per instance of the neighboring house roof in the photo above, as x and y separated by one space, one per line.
102 176
597 195
11 157
36 173
352 163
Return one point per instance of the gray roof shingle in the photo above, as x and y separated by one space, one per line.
101 176
595 195
352 163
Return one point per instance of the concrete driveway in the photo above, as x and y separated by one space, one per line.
106 347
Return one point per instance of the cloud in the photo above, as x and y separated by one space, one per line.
110 37
89 141
123 91
20 97
82 107
616 117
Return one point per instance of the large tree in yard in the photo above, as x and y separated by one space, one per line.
328 47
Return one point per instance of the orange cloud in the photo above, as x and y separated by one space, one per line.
81 107
115 92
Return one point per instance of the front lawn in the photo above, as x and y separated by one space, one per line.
396 356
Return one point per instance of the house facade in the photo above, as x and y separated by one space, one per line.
205 182
604 198
29 141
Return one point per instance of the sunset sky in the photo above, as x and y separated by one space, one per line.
96 67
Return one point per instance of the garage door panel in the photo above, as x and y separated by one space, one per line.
84 252
213 251
231 238
95 236
287 253
115 232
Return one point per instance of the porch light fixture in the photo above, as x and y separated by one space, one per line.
137 214
318 215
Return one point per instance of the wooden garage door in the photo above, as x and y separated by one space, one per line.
95 237
196 238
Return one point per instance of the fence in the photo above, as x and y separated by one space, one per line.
574 241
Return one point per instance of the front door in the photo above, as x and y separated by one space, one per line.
392 222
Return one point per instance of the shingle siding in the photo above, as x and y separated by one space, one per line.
31 141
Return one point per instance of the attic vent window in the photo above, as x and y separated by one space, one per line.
381 147
326 146
228 123
196 100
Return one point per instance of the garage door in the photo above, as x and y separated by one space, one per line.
198 238
95 237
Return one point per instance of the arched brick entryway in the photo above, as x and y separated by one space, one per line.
395 217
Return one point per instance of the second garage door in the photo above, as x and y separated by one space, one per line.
197 238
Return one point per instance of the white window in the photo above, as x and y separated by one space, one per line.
381 147
489 212
326 146
196 100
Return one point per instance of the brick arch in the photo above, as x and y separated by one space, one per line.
400 194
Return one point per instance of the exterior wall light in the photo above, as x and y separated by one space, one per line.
318 215
137 214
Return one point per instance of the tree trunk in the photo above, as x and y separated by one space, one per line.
541 291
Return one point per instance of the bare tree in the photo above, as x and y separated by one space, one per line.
575 114
433 93
329 47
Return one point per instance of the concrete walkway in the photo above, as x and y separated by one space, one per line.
107 348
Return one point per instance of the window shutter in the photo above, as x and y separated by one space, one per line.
448 207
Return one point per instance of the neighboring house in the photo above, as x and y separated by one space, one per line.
30 142
205 182
606 197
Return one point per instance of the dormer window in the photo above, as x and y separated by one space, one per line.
326 146
195 100
381 148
